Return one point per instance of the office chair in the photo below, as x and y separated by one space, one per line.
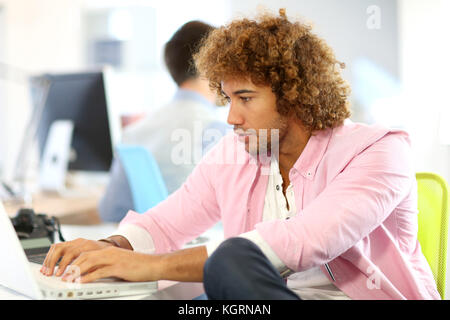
144 177
433 224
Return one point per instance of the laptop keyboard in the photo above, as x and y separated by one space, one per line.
38 258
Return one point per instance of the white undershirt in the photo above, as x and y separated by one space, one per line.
311 284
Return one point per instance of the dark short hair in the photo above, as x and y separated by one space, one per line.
179 50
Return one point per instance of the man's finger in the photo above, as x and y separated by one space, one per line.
52 257
66 260
99 273
47 258
84 263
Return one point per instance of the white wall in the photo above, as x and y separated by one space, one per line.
40 35
2 90
425 67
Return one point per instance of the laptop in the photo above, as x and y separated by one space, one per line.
23 276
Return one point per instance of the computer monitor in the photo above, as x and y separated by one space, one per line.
80 98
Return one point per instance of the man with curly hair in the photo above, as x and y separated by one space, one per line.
315 207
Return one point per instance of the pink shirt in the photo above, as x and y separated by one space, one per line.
356 202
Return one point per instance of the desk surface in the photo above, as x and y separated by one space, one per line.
75 206
167 290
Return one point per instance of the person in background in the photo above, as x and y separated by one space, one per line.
192 109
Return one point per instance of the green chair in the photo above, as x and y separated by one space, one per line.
433 224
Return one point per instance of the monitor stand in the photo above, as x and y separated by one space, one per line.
55 160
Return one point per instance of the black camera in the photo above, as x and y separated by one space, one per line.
30 225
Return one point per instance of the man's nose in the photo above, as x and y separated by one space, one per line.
234 116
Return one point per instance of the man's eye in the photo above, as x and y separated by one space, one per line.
245 99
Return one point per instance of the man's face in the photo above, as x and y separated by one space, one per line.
254 116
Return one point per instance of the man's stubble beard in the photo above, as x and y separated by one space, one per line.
268 141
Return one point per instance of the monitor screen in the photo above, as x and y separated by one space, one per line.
81 98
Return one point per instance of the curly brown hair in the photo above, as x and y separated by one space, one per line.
300 67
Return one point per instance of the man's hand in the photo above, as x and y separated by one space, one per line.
89 260
114 262
68 251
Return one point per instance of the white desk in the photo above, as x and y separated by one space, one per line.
167 290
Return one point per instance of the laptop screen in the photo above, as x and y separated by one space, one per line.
15 272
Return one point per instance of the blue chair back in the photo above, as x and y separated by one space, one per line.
144 177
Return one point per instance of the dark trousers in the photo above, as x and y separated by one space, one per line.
239 270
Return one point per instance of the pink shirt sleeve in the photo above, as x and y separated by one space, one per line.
185 214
